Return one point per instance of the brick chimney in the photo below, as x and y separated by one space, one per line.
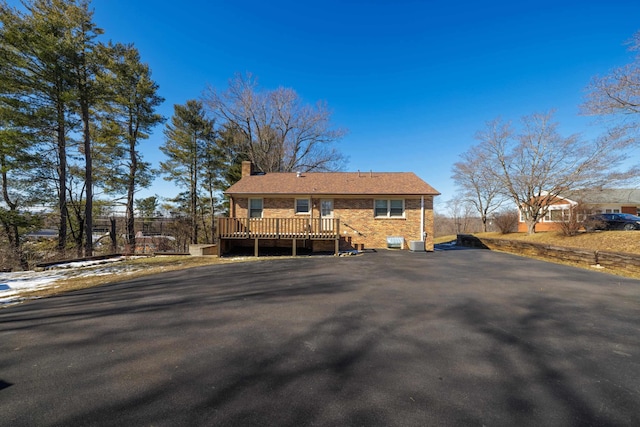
247 168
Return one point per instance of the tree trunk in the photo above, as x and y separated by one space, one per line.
131 190
10 226
88 213
80 236
131 232
17 246
531 226
194 195
112 235
62 181
213 216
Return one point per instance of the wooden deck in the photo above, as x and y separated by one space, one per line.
279 228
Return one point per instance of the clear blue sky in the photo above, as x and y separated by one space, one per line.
411 80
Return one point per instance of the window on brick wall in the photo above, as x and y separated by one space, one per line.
302 206
255 208
558 213
389 208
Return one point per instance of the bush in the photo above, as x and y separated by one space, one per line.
593 224
570 225
506 221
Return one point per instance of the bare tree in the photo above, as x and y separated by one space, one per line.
278 133
477 182
461 211
506 220
442 225
617 94
537 164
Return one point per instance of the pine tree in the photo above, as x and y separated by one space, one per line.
86 66
130 118
37 63
51 67
16 159
188 137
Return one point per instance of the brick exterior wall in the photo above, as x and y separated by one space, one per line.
358 224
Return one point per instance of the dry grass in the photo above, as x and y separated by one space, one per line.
444 239
612 241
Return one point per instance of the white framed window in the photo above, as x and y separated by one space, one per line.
303 206
255 208
557 214
388 208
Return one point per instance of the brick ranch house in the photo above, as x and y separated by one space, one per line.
593 201
328 211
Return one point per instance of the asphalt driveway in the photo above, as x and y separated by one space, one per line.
468 337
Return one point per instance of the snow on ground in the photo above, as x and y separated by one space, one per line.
13 284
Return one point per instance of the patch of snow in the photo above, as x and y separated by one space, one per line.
13 284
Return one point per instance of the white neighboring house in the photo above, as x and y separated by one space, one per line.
617 200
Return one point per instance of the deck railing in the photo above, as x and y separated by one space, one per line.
279 228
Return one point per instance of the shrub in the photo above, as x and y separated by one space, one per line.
570 225
506 221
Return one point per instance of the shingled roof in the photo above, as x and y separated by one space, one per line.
333 183
604 196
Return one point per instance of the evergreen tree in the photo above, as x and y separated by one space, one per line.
16 159
50 54
37 54
86 67
188 138
129 120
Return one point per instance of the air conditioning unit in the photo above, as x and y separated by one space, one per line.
416 246
395 242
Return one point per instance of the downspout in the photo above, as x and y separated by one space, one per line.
311 211
422 235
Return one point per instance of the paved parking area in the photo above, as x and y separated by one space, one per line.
390 338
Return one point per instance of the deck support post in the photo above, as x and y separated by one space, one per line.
337 247
295 248
255 248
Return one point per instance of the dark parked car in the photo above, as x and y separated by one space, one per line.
612 221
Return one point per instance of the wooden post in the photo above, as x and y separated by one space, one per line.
255 249
295 248
336 223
